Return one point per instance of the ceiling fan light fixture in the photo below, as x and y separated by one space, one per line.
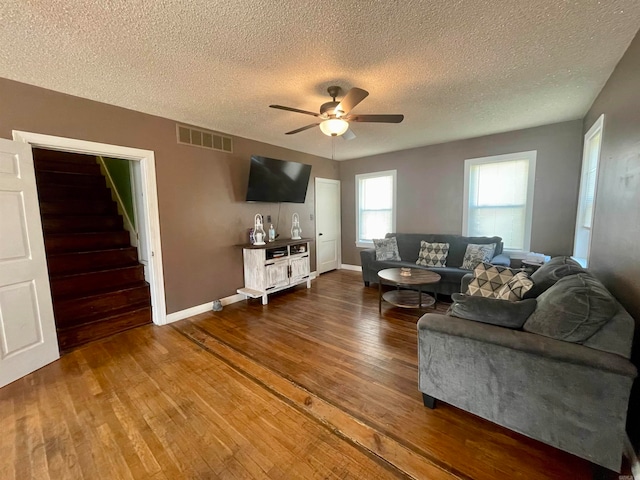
334 127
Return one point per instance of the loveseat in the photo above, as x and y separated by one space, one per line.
409 248
555 368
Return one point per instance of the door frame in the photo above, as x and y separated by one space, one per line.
145 201
339 233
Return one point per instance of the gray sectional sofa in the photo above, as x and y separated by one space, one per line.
564 377
409 248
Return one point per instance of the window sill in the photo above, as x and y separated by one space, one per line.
364 244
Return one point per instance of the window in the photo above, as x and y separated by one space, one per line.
588 183
375 206
499 198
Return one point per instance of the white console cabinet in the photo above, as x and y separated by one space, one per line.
275 266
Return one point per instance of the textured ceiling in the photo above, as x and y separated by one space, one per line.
455 68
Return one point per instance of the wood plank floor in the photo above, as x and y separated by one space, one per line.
317 384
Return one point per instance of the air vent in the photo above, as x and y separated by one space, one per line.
203 138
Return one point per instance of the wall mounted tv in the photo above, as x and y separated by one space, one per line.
272 180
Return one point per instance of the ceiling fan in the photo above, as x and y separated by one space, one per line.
334 116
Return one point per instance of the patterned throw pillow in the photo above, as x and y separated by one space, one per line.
488 280
386 248
515 289
476 254
433 254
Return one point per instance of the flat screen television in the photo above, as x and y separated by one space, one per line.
272 180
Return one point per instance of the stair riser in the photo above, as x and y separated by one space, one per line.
64 179
71 167
86 333
85 262
73 312
81 224
87 283
71 207
86 242
52 193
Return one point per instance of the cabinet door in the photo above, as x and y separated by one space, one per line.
299 268
277 274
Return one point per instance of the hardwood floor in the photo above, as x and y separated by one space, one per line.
316 384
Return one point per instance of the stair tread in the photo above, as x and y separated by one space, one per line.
136 309
88 252
94 271
138 284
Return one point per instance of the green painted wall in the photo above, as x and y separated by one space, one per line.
121 176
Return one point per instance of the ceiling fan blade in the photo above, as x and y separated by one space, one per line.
297 110
351 99
377 118
301 129
349 135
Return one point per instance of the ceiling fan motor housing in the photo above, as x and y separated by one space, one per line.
329 109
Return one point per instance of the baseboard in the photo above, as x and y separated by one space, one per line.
208 307
630 453
355 268
205 307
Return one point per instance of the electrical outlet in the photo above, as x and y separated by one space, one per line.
268 218
311 216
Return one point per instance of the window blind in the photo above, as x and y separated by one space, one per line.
498 201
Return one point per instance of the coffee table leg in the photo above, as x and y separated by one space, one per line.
419 297
379 296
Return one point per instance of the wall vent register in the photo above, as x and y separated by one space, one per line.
203 138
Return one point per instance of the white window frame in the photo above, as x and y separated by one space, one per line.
582 235
508 157
364 176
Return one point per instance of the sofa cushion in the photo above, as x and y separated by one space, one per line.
492 310
477 253
433 254
551 272
488 280
386 248
515 288
573 309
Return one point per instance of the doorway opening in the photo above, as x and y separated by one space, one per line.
145 203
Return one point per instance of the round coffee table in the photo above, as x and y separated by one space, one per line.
406 298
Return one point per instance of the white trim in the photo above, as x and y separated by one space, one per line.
394 207
353 268
365 244
531 157
582 235
208 307
149 217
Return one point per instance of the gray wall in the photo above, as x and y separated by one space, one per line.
615 246
431 183
201 192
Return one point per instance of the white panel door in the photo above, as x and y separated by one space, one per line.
27 329
327 225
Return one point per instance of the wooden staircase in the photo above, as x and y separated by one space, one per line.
97 283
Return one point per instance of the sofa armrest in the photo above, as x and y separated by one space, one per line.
367 261
464 283
367 256
502 260
527 342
